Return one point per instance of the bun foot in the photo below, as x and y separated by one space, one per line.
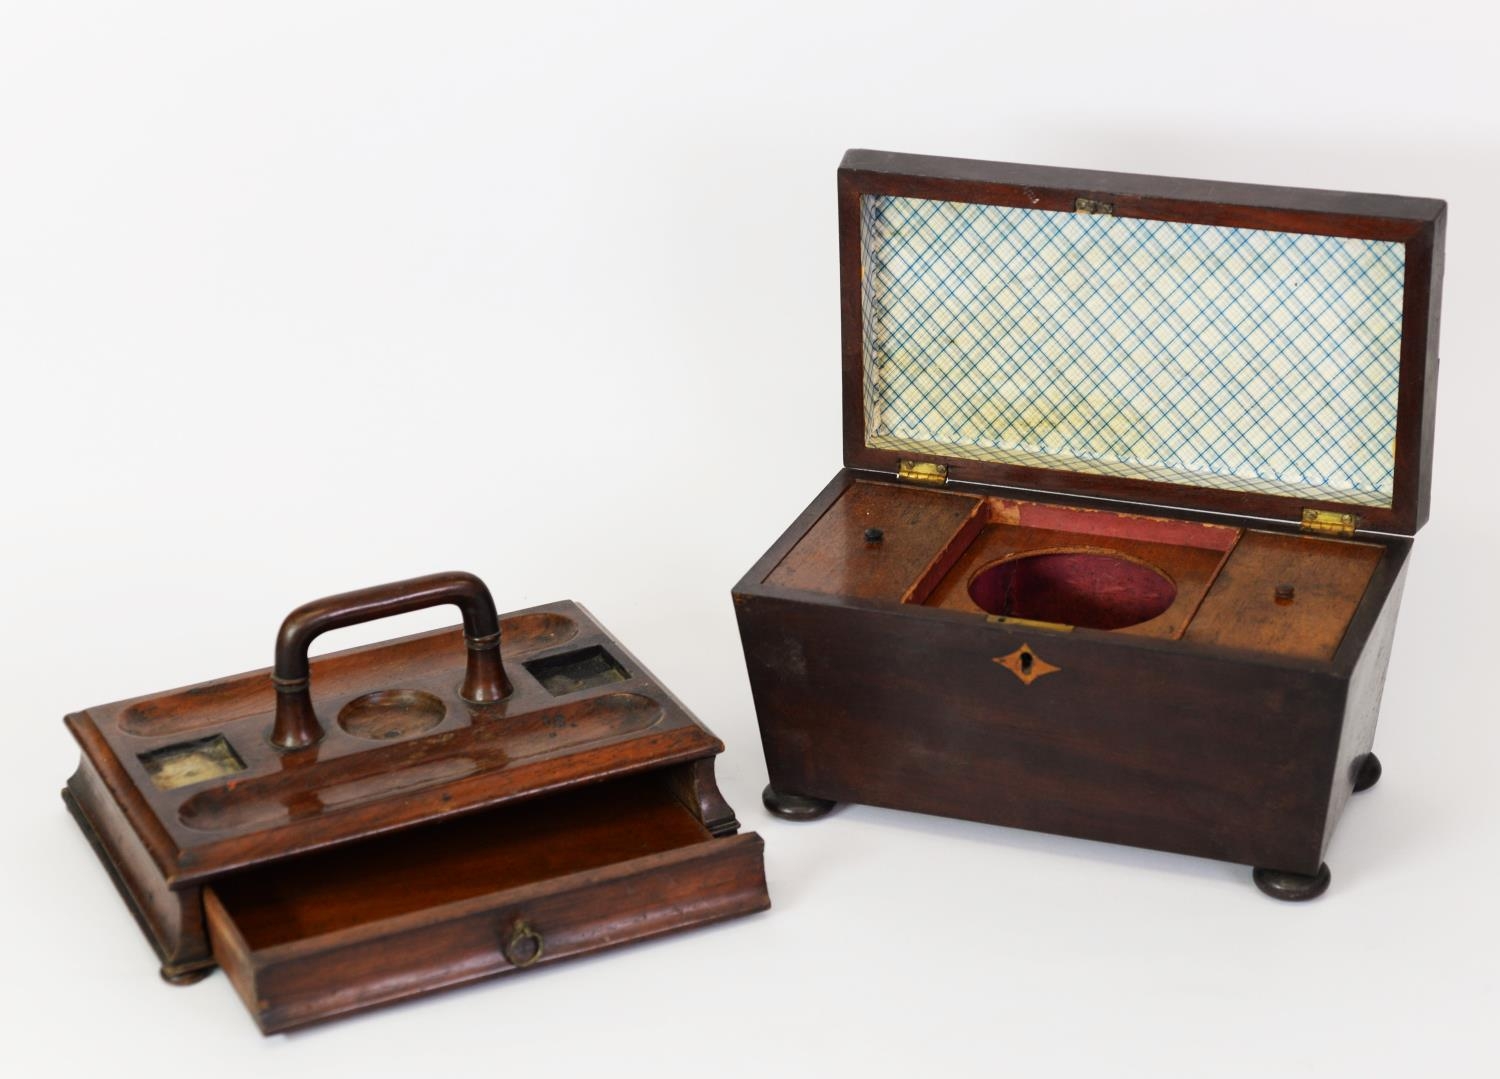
795 806
191 976
1368 774
1293 887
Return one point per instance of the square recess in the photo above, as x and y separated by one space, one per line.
573 671
186 763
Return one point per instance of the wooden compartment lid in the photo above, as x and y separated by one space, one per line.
1235 348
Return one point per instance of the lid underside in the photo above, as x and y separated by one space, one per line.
1233 358
1255 364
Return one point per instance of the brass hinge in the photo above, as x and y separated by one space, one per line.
1092 206
1034 623
922 472
1329 522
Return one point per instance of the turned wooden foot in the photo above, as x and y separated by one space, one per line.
795 806
190 976
1368 774
1293 887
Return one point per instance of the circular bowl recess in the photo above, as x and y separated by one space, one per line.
391 713
1092 589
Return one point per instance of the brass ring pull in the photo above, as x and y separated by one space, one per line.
524 945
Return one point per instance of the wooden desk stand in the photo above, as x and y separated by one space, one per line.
393 819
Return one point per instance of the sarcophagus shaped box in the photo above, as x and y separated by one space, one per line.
1132 467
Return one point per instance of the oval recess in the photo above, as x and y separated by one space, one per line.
580 723
215 704
540 629
243 807
360 779
212 704
212 811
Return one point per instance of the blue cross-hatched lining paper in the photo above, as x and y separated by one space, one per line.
1239 359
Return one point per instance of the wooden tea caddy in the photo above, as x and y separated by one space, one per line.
1132 470
398 818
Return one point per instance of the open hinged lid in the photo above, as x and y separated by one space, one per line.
1229 347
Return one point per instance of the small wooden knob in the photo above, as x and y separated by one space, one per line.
874 535
1285 593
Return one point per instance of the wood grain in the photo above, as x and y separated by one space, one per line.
1197 746
650 870
1131 740
1328 579
480 853
1207 744
1418 223
479 755
1191 569
834 558
354 832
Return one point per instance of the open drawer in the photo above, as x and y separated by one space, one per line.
398 915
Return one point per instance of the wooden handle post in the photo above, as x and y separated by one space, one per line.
484 677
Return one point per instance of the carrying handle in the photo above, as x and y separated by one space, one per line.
484 678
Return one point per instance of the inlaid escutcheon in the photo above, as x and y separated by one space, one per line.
1026 665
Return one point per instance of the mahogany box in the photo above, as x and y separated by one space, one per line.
1132 467
389 820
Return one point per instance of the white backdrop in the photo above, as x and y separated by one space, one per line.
299 297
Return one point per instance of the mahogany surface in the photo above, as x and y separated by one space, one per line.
478 755
412 760
317 978
1417 222
1226 579
916 525
1234 725
478 853
443 904
484 681
1181 745
1326 578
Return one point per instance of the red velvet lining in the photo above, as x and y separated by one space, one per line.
1099 522
1077 587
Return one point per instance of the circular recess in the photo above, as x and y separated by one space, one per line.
1092 589
391 713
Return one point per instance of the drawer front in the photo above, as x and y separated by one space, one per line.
288 985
